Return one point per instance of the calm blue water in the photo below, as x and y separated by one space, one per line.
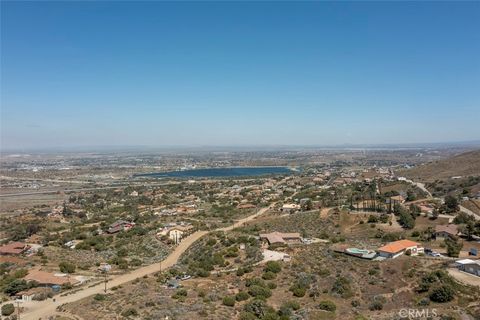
220 172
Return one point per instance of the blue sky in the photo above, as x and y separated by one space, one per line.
228 73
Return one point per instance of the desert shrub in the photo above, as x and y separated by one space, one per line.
355 303
327 305
66 267
259 292
67 286
443 293
20 273
298 291
242 296
272 285
202 273
244 315
8 309
130 312
269 275
258 308
228 301
99 297
180 293
384 218
342 287
255 281
376 305
273 266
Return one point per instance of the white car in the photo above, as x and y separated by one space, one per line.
434 254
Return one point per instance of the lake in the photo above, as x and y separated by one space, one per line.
221 172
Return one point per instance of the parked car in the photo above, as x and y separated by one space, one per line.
183 277
434 254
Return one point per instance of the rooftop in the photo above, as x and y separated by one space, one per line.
397 246
13 248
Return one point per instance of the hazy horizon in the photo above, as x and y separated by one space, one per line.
92 74
473 144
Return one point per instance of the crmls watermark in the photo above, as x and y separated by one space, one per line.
417 313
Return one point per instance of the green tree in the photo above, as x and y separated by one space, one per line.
451 204
16 286
453 247
406 219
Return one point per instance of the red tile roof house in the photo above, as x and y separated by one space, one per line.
446 231
14 248
397 248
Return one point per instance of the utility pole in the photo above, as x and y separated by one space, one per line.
106 280
18 310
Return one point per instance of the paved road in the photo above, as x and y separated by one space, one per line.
421 186
43 309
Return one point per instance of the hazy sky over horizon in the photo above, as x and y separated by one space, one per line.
228 73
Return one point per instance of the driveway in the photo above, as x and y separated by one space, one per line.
464 277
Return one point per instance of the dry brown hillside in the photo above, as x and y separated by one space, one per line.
465 164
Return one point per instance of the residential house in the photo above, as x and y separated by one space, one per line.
291 207
178 232
14 248
281 238
427 209
446 231
395 200
31 294
120 225
397 248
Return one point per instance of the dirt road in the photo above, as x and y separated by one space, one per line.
241 222
43 309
